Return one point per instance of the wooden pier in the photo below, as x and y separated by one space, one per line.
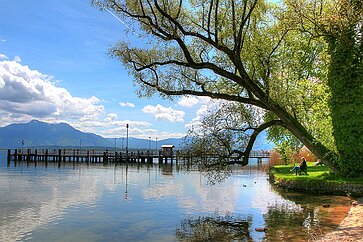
84 155
103 156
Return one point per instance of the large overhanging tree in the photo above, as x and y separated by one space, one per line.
300 62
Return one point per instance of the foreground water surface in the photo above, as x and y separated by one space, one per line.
80 202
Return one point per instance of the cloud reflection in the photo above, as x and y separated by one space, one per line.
193 193
30 202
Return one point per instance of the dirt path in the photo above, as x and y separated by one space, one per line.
351 228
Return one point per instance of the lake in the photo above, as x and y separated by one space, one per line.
155 202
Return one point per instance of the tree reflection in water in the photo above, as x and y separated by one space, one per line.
283 219
305 218
214 228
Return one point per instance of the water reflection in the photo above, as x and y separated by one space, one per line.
306 213
214 228
30 202
155 202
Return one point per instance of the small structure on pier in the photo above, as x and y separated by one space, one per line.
167 150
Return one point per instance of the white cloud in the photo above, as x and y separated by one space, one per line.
3 40
163 113
3 57
111 117
139 132
2 82
127 104
112 128
188 101
28 92
17 59
208 105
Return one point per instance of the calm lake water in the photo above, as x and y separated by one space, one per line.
154 203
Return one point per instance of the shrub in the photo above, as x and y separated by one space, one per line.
275 158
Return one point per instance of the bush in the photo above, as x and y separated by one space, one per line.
276 157
305 152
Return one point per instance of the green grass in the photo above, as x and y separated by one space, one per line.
315 174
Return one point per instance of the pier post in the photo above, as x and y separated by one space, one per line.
21 155
105 157
46 157
59 157
16 155
160 157
150 159
36 157
9 156
28 155
140 156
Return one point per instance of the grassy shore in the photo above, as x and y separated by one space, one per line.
319 181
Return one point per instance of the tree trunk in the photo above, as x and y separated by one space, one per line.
318 149
345 80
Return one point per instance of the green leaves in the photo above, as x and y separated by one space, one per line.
286 60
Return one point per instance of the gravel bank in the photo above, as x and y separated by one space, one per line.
351 228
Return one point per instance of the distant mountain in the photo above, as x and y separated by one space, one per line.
36 133
41 134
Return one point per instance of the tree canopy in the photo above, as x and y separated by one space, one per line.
275 64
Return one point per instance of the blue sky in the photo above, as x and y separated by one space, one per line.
54 67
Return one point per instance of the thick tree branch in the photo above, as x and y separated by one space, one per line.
246 153
205 93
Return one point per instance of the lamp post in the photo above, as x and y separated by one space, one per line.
156 143
149 143
115 143
127 142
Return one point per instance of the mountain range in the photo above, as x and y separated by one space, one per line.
40 134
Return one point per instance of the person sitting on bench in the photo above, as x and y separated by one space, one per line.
302 167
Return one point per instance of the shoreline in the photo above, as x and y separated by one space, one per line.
318 187
351 228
